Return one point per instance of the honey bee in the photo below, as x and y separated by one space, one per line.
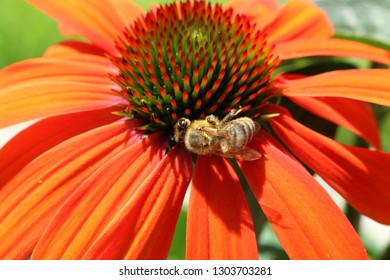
227 137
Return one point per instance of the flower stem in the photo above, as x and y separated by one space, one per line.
386 253
259 219
353 216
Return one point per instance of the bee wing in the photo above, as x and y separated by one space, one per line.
248 154
242 154
257 127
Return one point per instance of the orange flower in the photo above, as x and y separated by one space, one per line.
83 183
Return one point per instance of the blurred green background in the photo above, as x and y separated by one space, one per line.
26 33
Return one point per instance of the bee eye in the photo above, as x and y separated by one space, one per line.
182 123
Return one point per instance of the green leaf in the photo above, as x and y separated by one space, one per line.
360 18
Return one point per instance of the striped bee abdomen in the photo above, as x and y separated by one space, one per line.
240 132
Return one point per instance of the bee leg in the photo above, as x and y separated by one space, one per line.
208 129
212 120
224 146
232 114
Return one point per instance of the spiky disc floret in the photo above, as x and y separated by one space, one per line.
192 59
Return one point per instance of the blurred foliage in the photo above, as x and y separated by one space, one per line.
178 248
360 19
26 33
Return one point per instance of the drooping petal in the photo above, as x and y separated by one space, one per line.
361 176
219 224
259 11
72 49
30 199
45 134
94 205
306 221
331 47
100 22
299 19
40 88
352 114
370 85
152 211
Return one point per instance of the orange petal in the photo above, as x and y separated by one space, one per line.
219 222
361 176
152 211
305 219
81 68
33 196
354 115
127 10
94 205
45 87
100 22
259 11
370 85
299 19
44 135
331 47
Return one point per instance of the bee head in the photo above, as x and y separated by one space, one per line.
180 129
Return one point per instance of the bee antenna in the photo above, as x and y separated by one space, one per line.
169 116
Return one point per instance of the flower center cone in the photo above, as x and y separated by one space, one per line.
192 59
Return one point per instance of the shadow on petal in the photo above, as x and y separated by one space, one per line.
218 214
